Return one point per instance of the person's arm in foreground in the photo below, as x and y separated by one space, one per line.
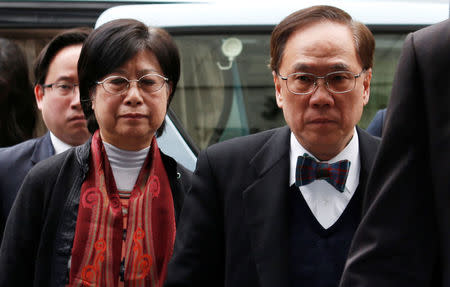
198 252
395 244
22 233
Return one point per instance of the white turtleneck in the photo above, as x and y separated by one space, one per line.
125 165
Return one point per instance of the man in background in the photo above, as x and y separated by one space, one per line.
375 127
57 96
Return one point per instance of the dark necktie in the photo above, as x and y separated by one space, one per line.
308 170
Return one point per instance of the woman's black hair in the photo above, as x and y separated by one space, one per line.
112 45
18 110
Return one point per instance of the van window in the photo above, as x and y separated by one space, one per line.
216 101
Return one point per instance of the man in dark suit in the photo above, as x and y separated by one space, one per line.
57 96
255 216
404 238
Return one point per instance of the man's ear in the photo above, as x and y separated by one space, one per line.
39 95
278 95
366 85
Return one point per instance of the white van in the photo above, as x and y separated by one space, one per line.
226 88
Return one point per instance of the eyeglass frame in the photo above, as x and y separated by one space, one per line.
285 78
166 80
61 82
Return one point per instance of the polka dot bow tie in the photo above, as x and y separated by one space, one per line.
308 170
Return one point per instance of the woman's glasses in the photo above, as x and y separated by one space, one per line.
148 83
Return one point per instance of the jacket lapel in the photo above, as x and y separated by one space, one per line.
265 204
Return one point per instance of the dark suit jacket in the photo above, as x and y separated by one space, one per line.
233 226
15 162
404 238
375 127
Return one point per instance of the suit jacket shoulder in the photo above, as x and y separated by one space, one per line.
433 39
15 162
264 147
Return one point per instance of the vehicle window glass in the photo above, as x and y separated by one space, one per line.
214 104
387 52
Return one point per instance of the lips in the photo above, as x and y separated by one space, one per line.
133 116
77 118
321 121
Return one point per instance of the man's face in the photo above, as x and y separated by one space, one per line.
323 122
63 114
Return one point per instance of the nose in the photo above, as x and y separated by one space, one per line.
321 97
133 95
75 98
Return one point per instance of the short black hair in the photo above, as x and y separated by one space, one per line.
112 45
65 39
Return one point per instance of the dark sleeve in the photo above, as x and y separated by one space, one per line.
198 252
22 233
395 244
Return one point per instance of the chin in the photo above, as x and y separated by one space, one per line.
137 133
323 140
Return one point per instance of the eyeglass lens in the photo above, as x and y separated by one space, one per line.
63 88
148 83
304 83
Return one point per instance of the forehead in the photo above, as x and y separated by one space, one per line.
143 61
320 46
64 63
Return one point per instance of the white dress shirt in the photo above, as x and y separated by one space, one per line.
58 144
326 203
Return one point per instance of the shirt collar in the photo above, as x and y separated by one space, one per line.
58 144
350 153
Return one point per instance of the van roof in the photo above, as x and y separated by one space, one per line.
249 13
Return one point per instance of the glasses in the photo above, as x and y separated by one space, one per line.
336 82
149 83
62 88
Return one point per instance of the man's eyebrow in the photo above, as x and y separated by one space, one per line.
301 67
340 67
306 67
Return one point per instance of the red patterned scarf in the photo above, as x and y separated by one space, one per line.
97 247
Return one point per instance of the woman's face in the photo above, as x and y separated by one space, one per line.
129 119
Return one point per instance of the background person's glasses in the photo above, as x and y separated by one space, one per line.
335 82
149 83
62 88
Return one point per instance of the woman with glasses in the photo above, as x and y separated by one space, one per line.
105 213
